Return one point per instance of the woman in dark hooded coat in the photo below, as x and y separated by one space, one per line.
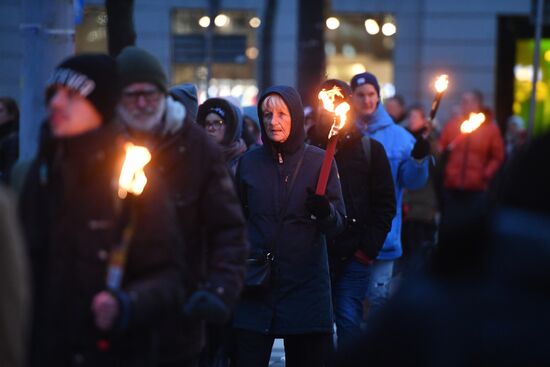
296 305
223 122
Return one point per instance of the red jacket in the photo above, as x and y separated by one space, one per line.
473 159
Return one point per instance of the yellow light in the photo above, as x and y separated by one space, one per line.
204 21
327 97
517 108
132 177
372 27
255 22
547 56
441 83
252 53
389 29
221 20
358 69
474 121
333 23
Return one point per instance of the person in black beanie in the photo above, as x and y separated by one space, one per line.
69 219
367 186
222 122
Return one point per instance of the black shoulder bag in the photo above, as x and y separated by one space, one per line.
259 262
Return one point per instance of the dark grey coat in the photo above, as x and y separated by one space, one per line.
298 300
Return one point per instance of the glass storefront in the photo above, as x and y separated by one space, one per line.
91 33
523 73
234 53
357 43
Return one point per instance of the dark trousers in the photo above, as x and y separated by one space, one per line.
253 349
418 238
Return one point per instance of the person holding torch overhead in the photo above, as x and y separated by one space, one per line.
287 224
409 166
69 213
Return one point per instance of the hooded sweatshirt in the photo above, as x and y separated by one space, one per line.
298 299
406 171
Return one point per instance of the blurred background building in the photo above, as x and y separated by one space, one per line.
486 45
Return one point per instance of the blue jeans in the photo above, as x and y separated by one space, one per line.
348 290
378 289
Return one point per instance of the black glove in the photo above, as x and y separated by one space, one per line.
421 148
317 205
207 306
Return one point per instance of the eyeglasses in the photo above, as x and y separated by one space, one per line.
149 95
215 124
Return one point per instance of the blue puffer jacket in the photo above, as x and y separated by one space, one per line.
406 171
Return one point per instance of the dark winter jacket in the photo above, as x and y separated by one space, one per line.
9 148
69 219
298 299
368 193
211 222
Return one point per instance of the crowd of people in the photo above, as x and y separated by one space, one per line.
230 244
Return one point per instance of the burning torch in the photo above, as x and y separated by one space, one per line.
474 121
131 183
441 84
339 120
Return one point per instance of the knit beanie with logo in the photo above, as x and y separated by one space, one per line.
93 76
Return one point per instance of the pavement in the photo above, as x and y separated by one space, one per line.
277 354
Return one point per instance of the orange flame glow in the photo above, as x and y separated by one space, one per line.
474 121
327 97
132 178
441 83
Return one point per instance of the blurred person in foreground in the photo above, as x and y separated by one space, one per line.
71 226
409 161
484 298
209 216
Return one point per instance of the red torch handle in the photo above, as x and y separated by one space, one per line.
325 168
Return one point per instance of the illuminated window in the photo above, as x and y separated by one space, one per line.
358 45
523 76
234 53
91 33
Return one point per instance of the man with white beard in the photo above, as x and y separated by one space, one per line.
208 211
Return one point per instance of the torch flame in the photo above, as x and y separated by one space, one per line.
327 97
132 178
474 121
441 83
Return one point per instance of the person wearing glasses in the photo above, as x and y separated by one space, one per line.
209 215
222 122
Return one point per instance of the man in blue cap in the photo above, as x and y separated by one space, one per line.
409 166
